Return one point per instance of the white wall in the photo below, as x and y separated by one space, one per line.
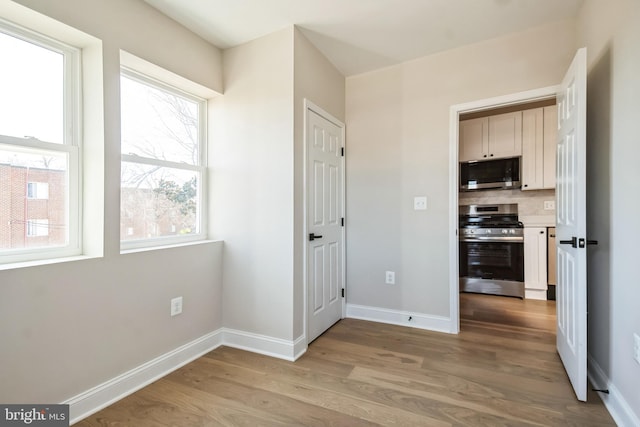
253 185
398 140
317 80
142 30
258 175
612 37
67 327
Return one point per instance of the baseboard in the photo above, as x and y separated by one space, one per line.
404 318
620 410
109 392
537 294
262 344
103 395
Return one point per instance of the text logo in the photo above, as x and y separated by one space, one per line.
34 415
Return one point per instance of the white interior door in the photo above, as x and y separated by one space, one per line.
325 238
571 256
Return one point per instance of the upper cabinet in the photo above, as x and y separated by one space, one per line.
539 130
474 139
492 137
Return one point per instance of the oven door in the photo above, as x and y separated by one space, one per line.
493 267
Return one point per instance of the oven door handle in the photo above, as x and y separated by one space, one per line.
515 239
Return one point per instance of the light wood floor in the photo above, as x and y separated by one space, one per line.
363 373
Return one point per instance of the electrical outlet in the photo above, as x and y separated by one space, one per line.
636 347
390 278
420 203
549 205
176 306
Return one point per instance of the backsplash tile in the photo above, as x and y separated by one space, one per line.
530 203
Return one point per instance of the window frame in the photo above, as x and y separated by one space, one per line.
70 146
201 168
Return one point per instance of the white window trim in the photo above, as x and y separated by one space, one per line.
71 146
201 168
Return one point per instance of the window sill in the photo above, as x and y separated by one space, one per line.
48 261
170 246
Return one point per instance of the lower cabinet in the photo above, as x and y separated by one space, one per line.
535 263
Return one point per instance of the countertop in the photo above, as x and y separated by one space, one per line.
538 220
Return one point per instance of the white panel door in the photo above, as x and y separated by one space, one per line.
571 290
325 241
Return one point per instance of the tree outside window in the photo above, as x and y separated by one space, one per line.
162 162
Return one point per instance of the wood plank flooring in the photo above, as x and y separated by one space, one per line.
501 370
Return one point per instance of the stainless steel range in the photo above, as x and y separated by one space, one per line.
491 250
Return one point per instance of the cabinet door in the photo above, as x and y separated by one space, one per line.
505 135
535 263
473 139
550 143
532 165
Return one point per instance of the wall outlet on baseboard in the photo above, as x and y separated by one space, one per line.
176 306
636 347
549 205
390 278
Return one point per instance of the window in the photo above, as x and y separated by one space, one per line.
39 159
163 167
37 227
37 190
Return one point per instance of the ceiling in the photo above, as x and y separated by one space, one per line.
362 35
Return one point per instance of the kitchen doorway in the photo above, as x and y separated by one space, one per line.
473 110
570 218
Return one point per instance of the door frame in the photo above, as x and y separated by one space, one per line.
454 118
310 106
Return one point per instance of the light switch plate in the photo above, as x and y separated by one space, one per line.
549 205
420 203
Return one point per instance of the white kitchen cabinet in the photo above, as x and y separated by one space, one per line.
492 137
535 263
474 139
550 144
539 130
505 135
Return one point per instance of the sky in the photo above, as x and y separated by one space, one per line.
31 91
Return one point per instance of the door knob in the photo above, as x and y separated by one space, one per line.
583 242
573 242
313 237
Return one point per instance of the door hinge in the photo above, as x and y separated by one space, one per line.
342 151
342 221
342 292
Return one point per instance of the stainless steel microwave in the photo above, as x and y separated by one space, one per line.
490 174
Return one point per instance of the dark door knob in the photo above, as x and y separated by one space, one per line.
573 242
313 237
